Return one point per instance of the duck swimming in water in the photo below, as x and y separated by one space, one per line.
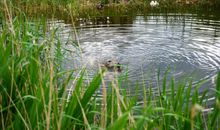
112 66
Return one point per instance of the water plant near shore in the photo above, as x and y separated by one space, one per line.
72 8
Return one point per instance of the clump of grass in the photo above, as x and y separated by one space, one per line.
32 96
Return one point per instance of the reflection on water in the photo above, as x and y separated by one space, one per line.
190 46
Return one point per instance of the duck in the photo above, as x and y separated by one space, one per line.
112 66
100 6
154 3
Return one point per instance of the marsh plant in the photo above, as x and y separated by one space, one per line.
90 8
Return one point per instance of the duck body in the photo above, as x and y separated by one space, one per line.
112 66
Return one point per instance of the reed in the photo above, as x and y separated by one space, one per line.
88 9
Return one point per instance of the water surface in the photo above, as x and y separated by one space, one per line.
187 44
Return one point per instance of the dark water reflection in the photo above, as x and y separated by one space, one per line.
189 45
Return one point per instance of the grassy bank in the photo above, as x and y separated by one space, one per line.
33 90
89 8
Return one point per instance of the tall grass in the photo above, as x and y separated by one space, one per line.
33 90
85 8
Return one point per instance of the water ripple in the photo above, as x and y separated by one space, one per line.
186 43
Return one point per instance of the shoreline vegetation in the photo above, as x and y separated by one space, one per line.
33 85
72 9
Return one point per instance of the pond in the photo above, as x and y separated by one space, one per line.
187 44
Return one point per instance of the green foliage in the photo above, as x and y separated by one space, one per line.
72 9
215 116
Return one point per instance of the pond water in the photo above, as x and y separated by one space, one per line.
189 45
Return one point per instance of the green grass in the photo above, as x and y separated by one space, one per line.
83 8
33 90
